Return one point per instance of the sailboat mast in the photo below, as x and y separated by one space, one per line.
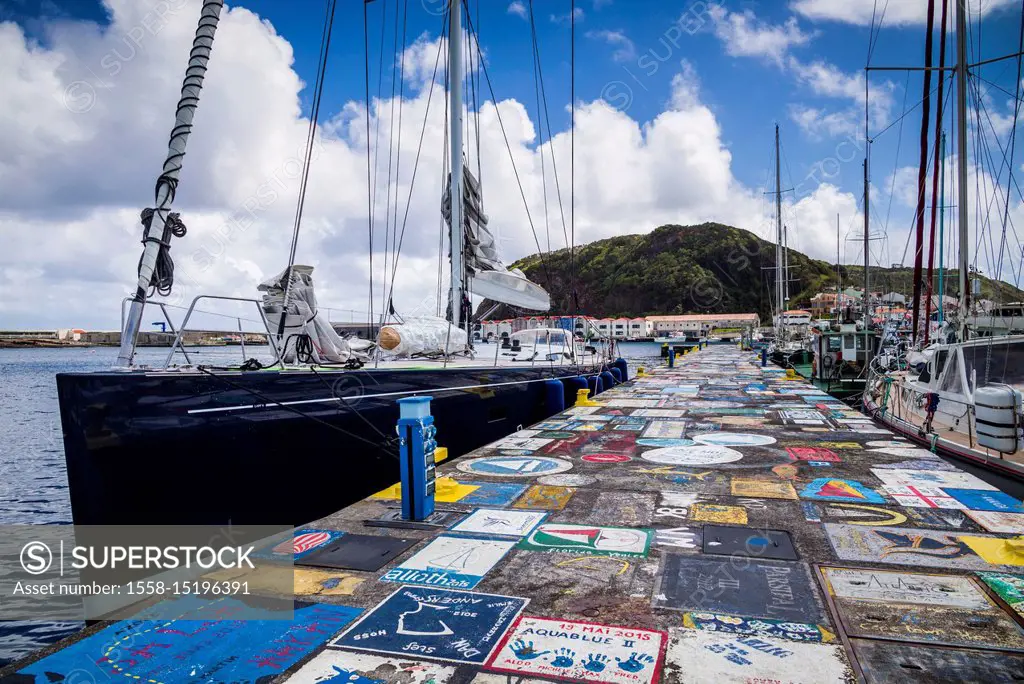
778 235
209 17
457 240
961 151
867 263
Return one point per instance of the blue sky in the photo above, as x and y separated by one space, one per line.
690 90
747 95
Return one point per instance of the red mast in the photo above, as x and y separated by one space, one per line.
935 179
922 174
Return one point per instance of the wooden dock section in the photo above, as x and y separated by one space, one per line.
712 522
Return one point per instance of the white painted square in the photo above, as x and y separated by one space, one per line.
631 403
581 410
526 443
580 651
665 429
451 562
922 497
500 521
993 521
883 586
930 478
346 666
658 413
698 656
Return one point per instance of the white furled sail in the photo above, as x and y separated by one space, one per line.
421 336
488 276
303 319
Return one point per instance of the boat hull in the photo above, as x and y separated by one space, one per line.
265 447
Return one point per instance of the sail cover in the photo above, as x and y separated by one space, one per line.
303 319
488 276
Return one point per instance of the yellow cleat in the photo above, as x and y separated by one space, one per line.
582 398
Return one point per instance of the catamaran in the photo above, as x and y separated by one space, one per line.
314 430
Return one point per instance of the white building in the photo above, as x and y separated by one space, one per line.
663 325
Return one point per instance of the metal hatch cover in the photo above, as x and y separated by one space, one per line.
365 552
725 540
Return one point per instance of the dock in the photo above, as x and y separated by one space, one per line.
717 521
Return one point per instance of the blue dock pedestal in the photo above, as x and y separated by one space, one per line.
671 357
416 441
764 357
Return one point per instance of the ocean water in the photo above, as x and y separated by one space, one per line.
33 481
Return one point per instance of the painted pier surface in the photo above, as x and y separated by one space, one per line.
714 522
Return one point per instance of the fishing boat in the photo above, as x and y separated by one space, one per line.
314 430
960 392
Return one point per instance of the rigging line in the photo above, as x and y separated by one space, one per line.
440 219
380 79
896 164
908 112
419 150
267 400
398 162
391 152
508 146
998 87
318 89
540 126
370 176
397 73
547 121
572 154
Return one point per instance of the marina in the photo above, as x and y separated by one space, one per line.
713 520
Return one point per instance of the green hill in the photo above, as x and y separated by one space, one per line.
709 268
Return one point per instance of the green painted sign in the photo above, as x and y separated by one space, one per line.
591 540
1009 587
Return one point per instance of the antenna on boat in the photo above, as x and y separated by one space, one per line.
457 228
167 183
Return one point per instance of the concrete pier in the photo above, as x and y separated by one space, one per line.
713 522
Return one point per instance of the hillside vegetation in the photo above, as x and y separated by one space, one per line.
708 268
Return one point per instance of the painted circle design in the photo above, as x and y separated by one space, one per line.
514 466
701 454
665 442
567 480
606 458
733 439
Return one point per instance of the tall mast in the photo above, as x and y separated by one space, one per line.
457 240
961 151
839 275
942 216
867 263
778 236
168 180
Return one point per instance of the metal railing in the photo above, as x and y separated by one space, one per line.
191 309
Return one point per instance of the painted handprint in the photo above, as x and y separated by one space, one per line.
635 662
525 650
595 662
564 658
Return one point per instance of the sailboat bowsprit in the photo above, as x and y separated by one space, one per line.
287 444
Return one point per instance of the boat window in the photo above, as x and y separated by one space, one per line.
860 342
940 361
950 380
835 344
1005 362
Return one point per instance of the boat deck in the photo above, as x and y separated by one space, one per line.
713 522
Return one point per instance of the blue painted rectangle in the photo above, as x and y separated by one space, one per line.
493 493
216 649
985 500
437 624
